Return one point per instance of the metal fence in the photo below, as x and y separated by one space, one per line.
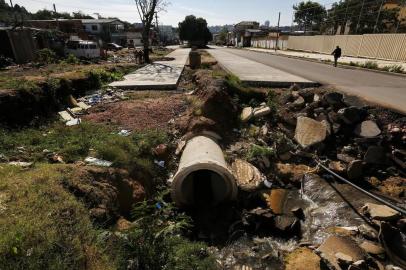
375 46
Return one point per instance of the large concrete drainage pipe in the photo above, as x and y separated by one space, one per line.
203 178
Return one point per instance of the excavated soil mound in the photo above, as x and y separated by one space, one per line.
150 113
216 110
108 193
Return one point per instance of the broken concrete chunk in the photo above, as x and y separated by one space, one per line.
83 105
73 122
380 212
372 248
275 200
261 111
98 162
309 132
302 258
66 116
291 172
368 232
340 244
247 114
367 129
248 177
76 110
343 260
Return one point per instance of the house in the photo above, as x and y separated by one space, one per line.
243 32
104 29
68 26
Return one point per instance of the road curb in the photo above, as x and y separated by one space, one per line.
326 63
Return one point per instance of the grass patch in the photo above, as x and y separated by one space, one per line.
370 65
75 143
42 226
245 93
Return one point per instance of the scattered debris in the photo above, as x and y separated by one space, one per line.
74 122
21 164
98 162
124 133
247 114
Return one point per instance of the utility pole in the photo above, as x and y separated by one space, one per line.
15 15
360 16
379 15
277 32
56 17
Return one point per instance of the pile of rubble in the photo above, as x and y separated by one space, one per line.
77 108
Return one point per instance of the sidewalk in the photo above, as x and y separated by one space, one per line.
162 75
255 73
326 57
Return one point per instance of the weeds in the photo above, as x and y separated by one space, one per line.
271 101
370 65
45 56
395 68
245 93
72 60
156 243
260 151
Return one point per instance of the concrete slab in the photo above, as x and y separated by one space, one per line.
254 73
161 75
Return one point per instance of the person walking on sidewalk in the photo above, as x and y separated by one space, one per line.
337 54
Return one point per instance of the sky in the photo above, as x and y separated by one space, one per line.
216 12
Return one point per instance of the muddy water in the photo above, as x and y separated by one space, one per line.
323 207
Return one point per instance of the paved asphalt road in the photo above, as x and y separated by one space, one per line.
383 89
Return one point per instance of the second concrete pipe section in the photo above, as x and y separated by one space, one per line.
203 178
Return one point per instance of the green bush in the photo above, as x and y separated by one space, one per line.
156 241
71 59
272 101
98 77
46 56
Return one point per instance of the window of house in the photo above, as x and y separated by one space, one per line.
95 27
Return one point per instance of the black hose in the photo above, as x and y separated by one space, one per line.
377 198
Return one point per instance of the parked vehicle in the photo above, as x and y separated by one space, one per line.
113 47
83 49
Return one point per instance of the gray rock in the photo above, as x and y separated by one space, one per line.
309 132
376 155
333 98
299 103
367 129
307 95
355 169
372 248
350 115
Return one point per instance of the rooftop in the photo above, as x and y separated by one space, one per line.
100 20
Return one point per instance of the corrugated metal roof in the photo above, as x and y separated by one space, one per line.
100 20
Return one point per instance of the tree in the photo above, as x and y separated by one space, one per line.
195 30
363 16
147 10
223 36
81 15
309 15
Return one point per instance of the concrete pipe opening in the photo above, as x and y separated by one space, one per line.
203 178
